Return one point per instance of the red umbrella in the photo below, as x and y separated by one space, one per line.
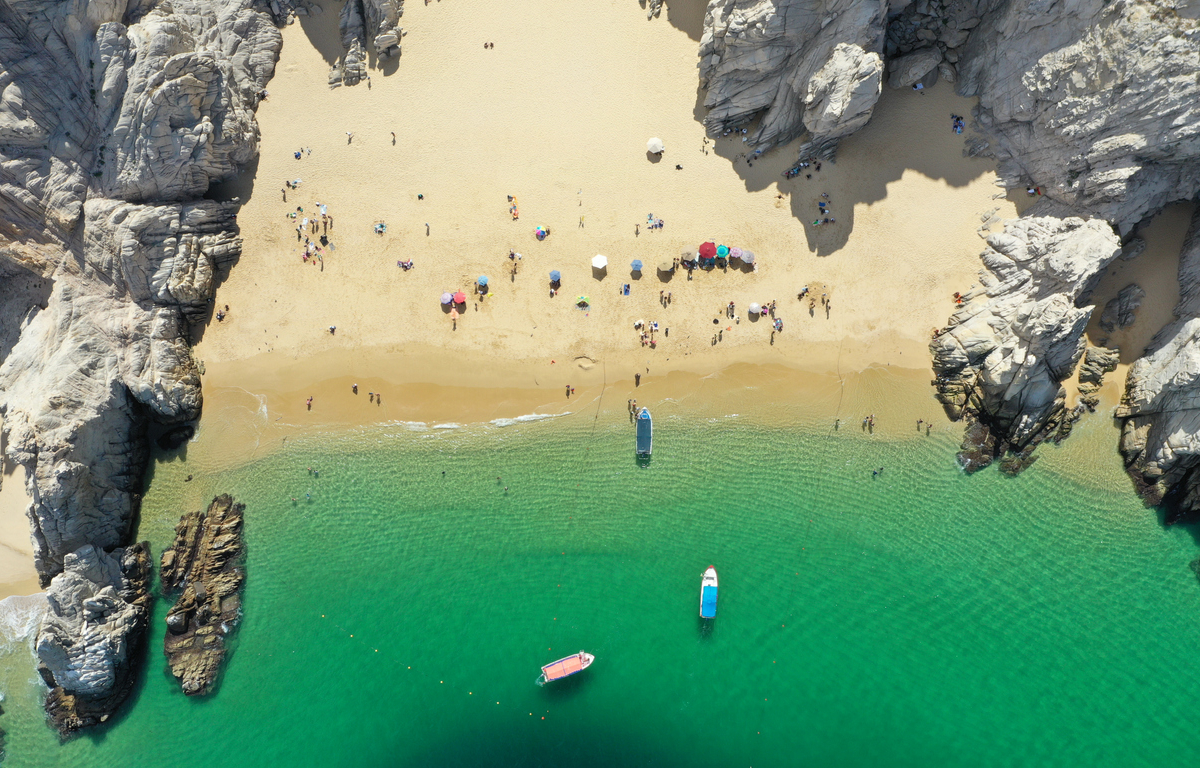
460 298
708 251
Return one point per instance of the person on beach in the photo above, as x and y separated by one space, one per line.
332 330
349 136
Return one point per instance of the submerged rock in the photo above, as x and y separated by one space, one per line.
205 562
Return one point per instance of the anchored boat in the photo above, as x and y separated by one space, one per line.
708 594
645 433
565 667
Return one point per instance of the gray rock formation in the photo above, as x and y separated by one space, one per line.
89 640
1160 437
205 562
366 24
115 118
785 62
1121 310
1005 352
1098 361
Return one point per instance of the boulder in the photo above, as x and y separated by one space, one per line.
910 69
1121 310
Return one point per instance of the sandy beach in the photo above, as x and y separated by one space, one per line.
17 576
560 123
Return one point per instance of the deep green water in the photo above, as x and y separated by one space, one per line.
399 617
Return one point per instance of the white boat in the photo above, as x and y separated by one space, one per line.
708 594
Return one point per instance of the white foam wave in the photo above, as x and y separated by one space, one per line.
447 425
20 616
526 419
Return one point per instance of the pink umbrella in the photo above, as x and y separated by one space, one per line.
708 251
460 298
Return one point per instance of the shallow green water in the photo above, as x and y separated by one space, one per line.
399 617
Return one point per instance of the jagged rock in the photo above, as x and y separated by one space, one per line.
758 57
842 94
912 68
1093 101
370 22
205 562
1134 248
947 72
1120 311
653 8
1013 340
88 642
1160 436
1098 361
115 119
175 437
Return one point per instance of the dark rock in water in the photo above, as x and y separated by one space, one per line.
205 562
978 448
1014 464
175 437
88 645
1195 566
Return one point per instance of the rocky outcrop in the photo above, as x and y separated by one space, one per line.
1121 310
89 641
1092 100
1006 350
788 62
366 24
115 118
1160 435
205 562
1097 361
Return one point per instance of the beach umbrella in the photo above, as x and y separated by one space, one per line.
482 280
666 266
708 250
722 251
735 253
446 298
460 297
636 265
655 146
599 262
747 257
555 275
755 309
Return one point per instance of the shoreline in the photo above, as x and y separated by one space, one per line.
17 574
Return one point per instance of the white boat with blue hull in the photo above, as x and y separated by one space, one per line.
645 433
708 594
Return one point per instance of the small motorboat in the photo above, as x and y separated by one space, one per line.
645 433
708 594
565 667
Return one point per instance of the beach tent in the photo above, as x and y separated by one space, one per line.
447 298
655 146
755 309
708 250
582 301
666 266
460 297
599 262
555 275
747 257
636 265
722 251
482 280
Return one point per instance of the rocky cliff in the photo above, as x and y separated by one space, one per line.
115 118
1092 101
205 563
1160 437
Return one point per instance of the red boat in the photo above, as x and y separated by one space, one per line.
565 667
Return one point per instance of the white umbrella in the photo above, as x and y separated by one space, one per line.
755 309
747 257
655 146
600 262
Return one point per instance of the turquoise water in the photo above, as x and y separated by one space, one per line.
399 617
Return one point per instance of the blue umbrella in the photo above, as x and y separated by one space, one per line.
636 265
482 280
555 276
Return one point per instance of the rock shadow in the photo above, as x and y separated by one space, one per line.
687 16
907 131
322 31
239 188
23 290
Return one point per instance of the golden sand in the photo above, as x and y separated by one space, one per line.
17 576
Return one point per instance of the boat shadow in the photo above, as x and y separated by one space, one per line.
704 627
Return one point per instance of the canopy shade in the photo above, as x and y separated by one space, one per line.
655 146
708 250
747 257
447 298
636 265
482 280
599 262
666 266
555 275
722 251
755 309
460 297
735 252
